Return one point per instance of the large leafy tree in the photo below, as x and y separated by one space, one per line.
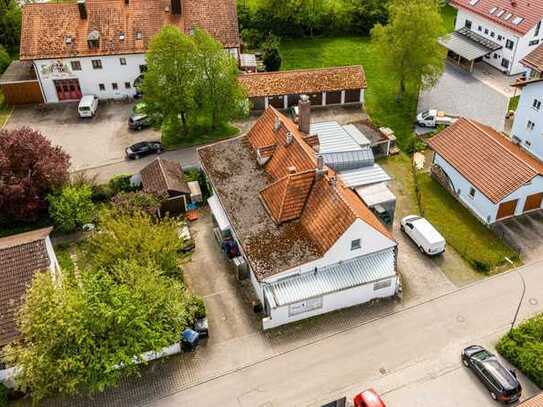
408 45
219 89
83 336
171 79
10 25
72 207
30 168
135 236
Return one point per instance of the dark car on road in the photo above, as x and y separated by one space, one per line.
138 121
501 382
143 148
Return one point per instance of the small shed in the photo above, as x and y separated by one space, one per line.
380 199
165 178
247 63
195 192
19 84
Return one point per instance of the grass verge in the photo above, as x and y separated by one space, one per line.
523 348
199 135
478 245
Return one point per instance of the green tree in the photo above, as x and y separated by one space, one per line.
408 45
84 337
5 59
219 89
135 236
271 58
170 82
10 25
72 208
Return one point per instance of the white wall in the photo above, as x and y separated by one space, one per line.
521 46
482 207
531 139
331 302
89 79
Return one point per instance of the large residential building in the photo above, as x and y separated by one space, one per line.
98 47
280 203
501 32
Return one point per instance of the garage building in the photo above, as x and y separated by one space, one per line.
325 87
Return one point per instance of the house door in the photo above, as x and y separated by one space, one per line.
507 209
533 202
68 89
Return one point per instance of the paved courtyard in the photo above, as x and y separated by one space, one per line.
525 233
461 93
90 142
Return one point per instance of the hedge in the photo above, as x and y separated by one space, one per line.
523 348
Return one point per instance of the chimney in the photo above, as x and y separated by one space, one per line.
320 171
333 181
276 124
290 138
82 9
304 118
177 8
291 170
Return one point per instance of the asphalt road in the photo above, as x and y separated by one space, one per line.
411 357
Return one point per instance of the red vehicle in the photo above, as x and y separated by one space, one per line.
368 398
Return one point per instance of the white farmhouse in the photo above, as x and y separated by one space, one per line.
501 32
310 243
98 47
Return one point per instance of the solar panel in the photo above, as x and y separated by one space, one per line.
493 9
499 13
517 20
473 2
507 16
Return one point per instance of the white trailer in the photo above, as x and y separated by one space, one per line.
434 118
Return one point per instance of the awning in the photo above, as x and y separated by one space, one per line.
358 177
377 194
218 213
468 44
338 277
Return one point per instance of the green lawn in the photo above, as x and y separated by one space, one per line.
478 245
381 93
198 136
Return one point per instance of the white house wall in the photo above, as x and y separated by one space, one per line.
331 302
530 139
521 46
89 79
482 207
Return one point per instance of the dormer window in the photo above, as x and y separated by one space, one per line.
68 40
93 39
121 36
139 35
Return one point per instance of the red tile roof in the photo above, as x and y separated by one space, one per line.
21 257
163 177
303 81
534 60
529 10
486 158
286 198
45 26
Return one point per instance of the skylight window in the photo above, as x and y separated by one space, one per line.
493 9
517 20
507 16
499 13
473 2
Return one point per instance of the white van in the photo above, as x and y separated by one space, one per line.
88 106
425 236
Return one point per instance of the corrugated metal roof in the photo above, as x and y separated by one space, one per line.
349 160
338 277
333 138
218 212
357 135
468 44
375 194
358 177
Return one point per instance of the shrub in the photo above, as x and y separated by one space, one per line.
524 348
196 307
72 208
121 183
3 395
271 58
101 193
5 60
133 202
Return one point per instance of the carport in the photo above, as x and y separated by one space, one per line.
466 47
19 84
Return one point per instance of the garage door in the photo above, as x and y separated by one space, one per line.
533 202
507 209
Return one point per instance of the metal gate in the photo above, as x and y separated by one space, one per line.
68 89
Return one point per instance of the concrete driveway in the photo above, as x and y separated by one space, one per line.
524 233
90 142
460 93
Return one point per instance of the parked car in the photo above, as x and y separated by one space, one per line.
143 148
425 236
183 232
138 121
367 398
501 382
87 106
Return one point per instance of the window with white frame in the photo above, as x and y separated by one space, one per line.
122 61
96 64
536 104
509 44
76 65
472 192
530 125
